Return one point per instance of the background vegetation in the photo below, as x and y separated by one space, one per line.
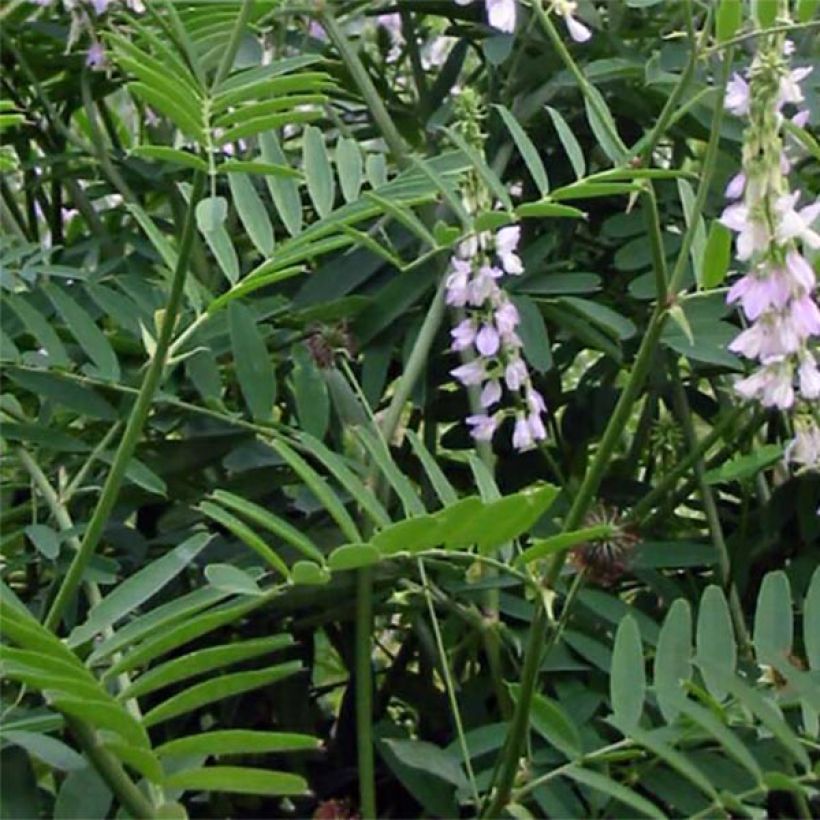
253 564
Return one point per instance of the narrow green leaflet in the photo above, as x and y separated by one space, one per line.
90 338
605 785
716 255
716 644
673 658
266 519
252 212
201 661
237 780
219 688
527 149
728 19
774 620
811 617
138 588
318 171
232 579
283 190
698 249
603 125
320 488
39 327
237 741
247 536
627 683
350 166
568 140
254 368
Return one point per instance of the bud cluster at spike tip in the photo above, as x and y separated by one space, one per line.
773 233
489 331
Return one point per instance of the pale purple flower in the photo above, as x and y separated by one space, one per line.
805 316
500 13
483 285
487 341
100 6
522 434
801 118
536 425
800 270
808 376
506 243
797 224
752 234
758 294
471 373
535 401
483 426
567 9
737 96
507 318
463 335
515 374
804 449
734 190
490 393
790 91
458 290
317 31
95 57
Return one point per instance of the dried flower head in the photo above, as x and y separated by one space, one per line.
605 559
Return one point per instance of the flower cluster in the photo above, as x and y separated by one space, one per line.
778 292
488 330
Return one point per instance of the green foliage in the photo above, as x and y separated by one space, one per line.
621 622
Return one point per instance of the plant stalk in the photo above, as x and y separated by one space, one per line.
109 768
136 422
364 694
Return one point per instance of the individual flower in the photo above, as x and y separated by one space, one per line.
95 56
797 224
506 243
483 426
471 373
737 96
463 335
804 449
567 8
501 14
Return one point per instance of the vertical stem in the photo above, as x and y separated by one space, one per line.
136 422
229 55
710 509
362 79
364 694
612 434
109 768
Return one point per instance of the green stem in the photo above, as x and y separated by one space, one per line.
584 84
365 85
136 422
697 452
416 363
448 682
226 63
710 509
612 435
364 694
109 768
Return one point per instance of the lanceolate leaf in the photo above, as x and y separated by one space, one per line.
628 679
254 369
715 639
